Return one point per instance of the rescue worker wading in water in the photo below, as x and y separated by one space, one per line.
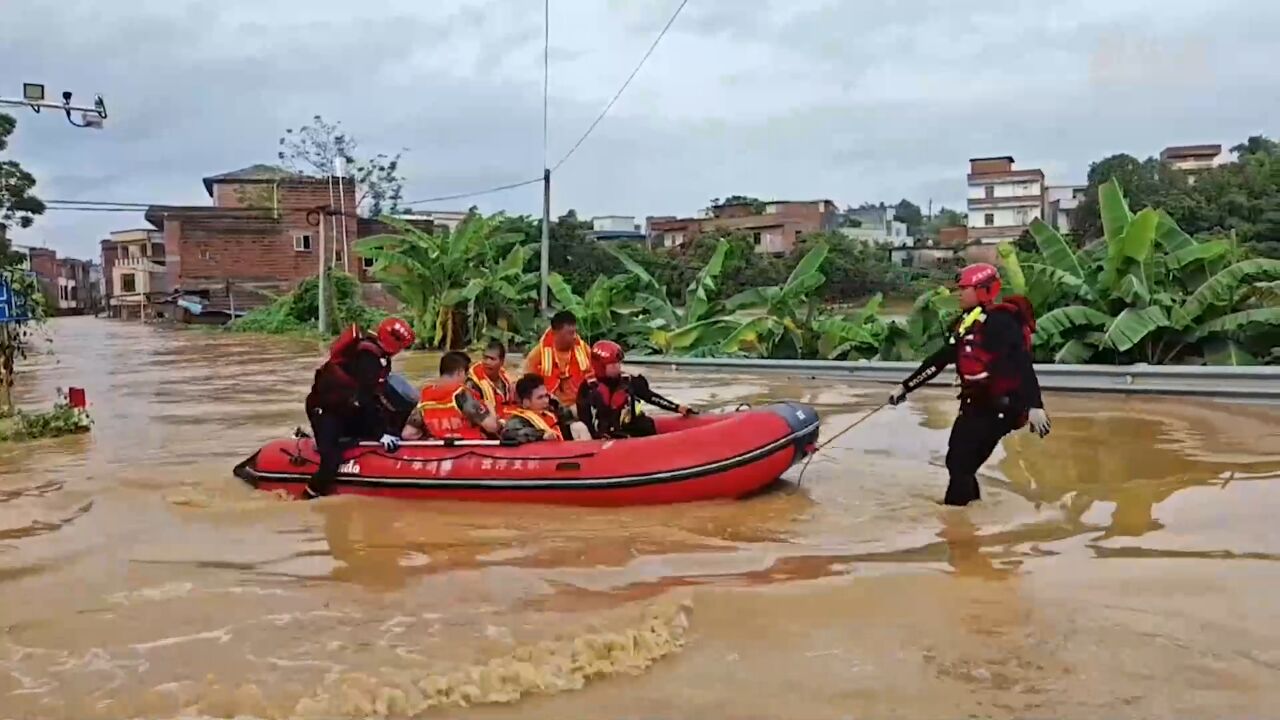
609 405
345 403
999 393
449 408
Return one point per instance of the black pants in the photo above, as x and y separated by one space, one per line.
974 436
334 433
640 426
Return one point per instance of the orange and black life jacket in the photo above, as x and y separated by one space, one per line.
495 394
441 416
616 406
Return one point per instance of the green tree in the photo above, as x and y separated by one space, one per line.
908 212
757 205
1146 182
944 218
316 146
18 207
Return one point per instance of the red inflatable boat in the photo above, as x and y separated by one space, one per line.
702 457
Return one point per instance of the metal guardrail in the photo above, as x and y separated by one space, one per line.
1261 382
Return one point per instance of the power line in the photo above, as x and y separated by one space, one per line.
474 193
624 85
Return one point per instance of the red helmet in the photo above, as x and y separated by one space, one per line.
982 276
395 335
604 353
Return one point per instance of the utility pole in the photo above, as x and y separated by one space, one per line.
324 314
33 97
546 234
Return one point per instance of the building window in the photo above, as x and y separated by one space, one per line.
989 219
302 242
204 255
366 263
799 233
755 237
128 284
989 191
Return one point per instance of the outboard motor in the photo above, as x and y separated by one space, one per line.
400 400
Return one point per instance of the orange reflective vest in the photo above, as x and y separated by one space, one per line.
441 416
544 421
562 381
493 396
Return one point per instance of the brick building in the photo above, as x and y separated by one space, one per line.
262 233
64 282
774 231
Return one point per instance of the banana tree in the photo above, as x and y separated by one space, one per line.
697 328
926 327
605 311
779 321
459 287
1155 295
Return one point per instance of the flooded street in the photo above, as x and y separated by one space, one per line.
1126 566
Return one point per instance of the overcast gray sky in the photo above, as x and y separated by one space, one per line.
852 100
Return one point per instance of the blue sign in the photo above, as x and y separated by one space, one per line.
13 307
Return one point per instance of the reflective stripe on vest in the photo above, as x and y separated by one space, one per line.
488 390
542 421
441 416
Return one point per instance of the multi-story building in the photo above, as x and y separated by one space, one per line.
774 229
1060 202
1002 201
64 282
264 233
135 272
448 219
1194 159
877 224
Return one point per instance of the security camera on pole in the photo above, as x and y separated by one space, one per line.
34 98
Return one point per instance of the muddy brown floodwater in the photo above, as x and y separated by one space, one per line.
1127 566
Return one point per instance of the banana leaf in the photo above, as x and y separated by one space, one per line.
1010 270
1220 289
1061 320
1204 251
1056 252
1132 325
807 266
635 269
1115 210
753 298
1045 283
1074 352
680 340
747 338
1170 236
1222 351
1238 321
698 294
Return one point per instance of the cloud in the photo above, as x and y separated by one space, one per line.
781 98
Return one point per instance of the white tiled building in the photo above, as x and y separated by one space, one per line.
1002 201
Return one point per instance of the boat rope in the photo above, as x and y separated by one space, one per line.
854 424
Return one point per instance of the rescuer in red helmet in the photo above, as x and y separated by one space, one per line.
609 403
990 346
346 398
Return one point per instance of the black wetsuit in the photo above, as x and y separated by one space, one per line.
984 419
341 414
604 420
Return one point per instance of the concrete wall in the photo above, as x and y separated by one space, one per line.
1021 188
1003 217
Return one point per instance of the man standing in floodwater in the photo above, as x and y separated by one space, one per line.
999 392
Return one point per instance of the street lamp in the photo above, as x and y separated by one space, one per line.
33 96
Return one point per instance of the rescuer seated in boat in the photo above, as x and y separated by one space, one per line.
562 359
489 380
449 408
345 403
609 404
535 420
